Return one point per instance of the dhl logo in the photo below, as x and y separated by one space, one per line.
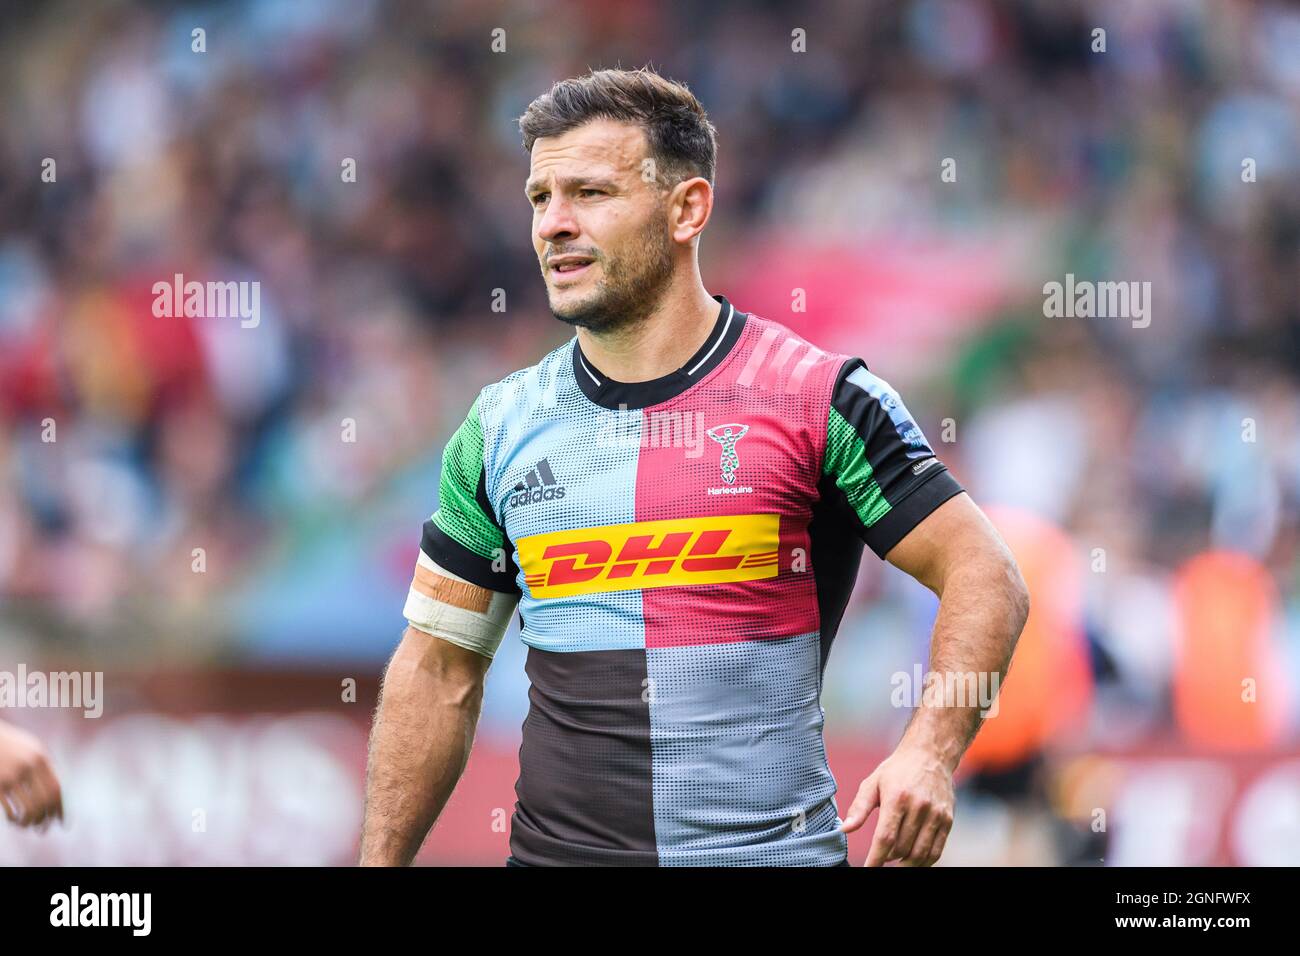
650 554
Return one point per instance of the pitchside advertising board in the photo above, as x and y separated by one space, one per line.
196 779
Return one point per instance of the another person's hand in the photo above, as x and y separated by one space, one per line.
29 790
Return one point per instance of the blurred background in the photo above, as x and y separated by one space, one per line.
224 519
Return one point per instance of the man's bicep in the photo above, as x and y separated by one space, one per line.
463 535
434 653
465 583
447 606
956 529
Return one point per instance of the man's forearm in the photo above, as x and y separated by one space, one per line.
423 732
982 609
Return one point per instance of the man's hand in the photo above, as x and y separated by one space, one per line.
983 603
914 791
29 790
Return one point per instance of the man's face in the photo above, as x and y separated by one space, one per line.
599 229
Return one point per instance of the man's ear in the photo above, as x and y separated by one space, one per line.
690 204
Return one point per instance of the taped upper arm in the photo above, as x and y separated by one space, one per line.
448 606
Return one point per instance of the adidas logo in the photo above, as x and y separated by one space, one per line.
538 485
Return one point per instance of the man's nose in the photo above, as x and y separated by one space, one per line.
557 223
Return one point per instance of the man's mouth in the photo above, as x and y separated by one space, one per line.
569 265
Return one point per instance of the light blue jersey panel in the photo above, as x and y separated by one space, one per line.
541 432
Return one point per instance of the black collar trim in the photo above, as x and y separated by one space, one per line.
606 392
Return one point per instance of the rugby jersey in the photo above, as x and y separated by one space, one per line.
683 549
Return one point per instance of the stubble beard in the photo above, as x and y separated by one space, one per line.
630 287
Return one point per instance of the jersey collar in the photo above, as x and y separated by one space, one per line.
606 392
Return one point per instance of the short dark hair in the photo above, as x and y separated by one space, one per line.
683 143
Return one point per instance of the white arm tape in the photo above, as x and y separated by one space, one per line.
479 631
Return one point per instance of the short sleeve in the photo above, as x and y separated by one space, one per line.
463 534
879 459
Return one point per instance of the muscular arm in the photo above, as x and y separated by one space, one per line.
424 727
458 606
983 604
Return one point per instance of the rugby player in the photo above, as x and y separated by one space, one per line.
678 598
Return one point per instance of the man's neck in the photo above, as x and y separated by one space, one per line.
659 344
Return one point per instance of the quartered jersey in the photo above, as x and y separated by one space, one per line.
684 549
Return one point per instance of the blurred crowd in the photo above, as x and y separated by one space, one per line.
187 489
